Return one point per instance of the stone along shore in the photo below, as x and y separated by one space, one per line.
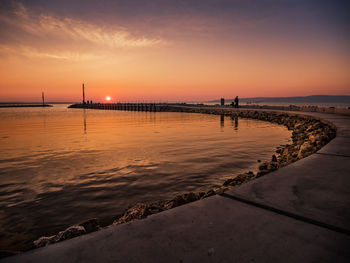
308 136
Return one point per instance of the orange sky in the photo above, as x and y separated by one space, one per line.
177 57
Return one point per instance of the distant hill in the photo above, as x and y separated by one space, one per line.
304 99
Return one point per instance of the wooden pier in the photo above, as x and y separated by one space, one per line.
152 107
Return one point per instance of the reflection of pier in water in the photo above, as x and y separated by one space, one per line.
146 116
84 121
234 121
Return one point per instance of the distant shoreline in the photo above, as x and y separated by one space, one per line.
313 99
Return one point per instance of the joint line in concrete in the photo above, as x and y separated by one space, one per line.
334 154
288 214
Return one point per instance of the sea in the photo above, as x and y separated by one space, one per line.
61 166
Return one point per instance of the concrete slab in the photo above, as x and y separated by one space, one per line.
316 187
338 146
215 229
343 132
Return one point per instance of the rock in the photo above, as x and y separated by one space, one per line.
209 193
262 172
90 225
190 197
220 190
305 149
273 166
71 232
274 158
324 138
138 211
311 128
228 182
44 241
263 166
239 179
279 150
201 195
155 208
169 205
179 200
312 138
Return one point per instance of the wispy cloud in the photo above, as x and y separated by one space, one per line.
31 52
45 35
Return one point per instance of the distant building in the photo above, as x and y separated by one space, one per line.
222 101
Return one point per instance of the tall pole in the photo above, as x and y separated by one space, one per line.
42 96
83 94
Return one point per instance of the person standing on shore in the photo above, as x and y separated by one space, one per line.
236 102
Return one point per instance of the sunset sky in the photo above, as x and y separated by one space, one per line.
172 50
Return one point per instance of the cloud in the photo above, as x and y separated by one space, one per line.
30 52
44 35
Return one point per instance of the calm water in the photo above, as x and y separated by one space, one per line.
60 166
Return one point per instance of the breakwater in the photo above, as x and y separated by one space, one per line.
331 110
309 134
153 107
158 107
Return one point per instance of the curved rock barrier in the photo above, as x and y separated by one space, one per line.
88 226
308 136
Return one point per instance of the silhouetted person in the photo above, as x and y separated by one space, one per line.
222 100
236 101
233 104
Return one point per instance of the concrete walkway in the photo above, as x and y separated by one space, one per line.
299 213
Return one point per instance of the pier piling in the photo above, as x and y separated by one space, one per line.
147 107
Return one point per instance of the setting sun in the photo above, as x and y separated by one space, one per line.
108 98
